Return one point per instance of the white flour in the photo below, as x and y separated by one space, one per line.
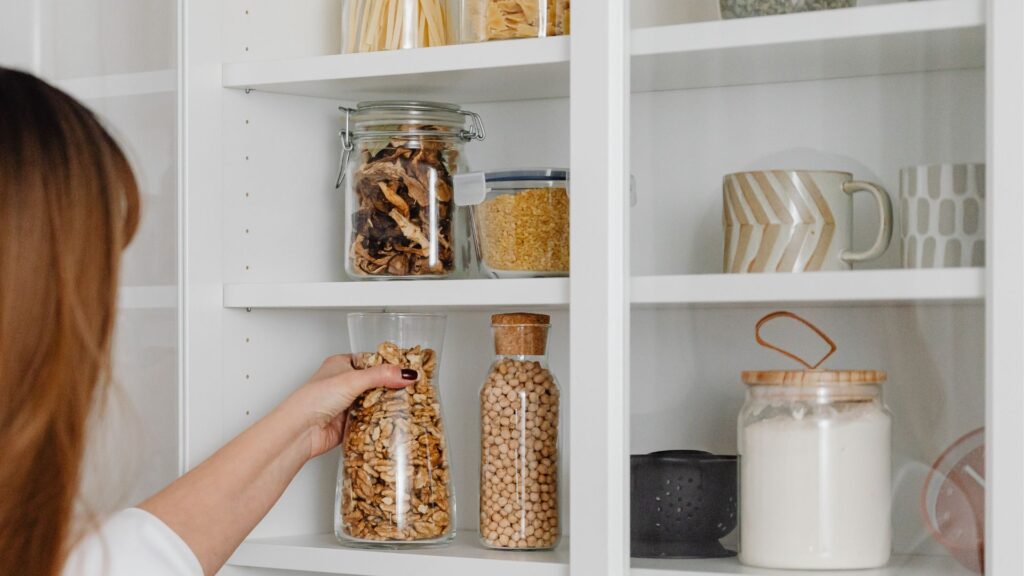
816 490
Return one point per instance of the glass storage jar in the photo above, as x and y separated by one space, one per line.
519 220
815 470
394 478
519 439
504 19
373 25
748 8
397 164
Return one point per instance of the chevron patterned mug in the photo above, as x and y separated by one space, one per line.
796 221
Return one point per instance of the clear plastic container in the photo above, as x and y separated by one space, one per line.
749 8
519 411
519 221
815 470
484 20
397 166
373 25
394 477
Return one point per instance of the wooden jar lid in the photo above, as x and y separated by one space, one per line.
520 319
812 377
520 334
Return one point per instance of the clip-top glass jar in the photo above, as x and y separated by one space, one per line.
519 439
397 164
394 478
815 470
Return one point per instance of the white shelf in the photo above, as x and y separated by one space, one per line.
532 292
852 287
490 71
321 553
113 85
147 297
872 40
898 566
886 39
847 287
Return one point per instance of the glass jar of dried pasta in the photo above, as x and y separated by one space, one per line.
373 25
484 20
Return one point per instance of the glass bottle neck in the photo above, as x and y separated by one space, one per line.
541 359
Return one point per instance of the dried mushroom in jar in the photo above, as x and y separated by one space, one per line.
402 225
395 469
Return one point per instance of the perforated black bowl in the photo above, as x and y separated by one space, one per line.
682 502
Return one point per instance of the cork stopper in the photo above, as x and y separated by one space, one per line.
520 334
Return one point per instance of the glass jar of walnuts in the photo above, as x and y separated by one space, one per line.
519 438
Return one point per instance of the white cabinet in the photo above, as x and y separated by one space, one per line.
649 336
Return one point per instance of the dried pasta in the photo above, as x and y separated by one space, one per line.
504 19
373 25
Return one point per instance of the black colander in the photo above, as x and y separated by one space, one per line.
682 502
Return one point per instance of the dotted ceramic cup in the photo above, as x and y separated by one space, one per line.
942 216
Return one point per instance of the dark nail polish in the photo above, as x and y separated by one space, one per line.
408 374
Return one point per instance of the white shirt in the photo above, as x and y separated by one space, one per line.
131 543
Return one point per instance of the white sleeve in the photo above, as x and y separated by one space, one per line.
130 543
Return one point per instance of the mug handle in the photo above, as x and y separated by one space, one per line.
884 219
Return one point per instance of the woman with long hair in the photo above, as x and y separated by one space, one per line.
69 204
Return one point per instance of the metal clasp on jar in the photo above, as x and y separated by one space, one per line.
476 131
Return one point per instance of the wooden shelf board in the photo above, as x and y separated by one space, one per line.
321 553
900 565
485 72
441 294
870 40
865 41
115 85
846 287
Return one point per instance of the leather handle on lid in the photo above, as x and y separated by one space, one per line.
787 353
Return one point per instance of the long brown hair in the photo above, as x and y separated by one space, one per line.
69 204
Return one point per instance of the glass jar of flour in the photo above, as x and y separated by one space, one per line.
815 469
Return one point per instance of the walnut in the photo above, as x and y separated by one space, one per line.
395 479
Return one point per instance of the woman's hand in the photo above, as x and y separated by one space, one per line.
216 504
321 403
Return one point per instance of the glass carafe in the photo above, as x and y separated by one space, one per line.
394 477
519 439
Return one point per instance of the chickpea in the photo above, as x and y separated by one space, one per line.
519 446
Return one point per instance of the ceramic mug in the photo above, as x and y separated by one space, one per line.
942 216
796 221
